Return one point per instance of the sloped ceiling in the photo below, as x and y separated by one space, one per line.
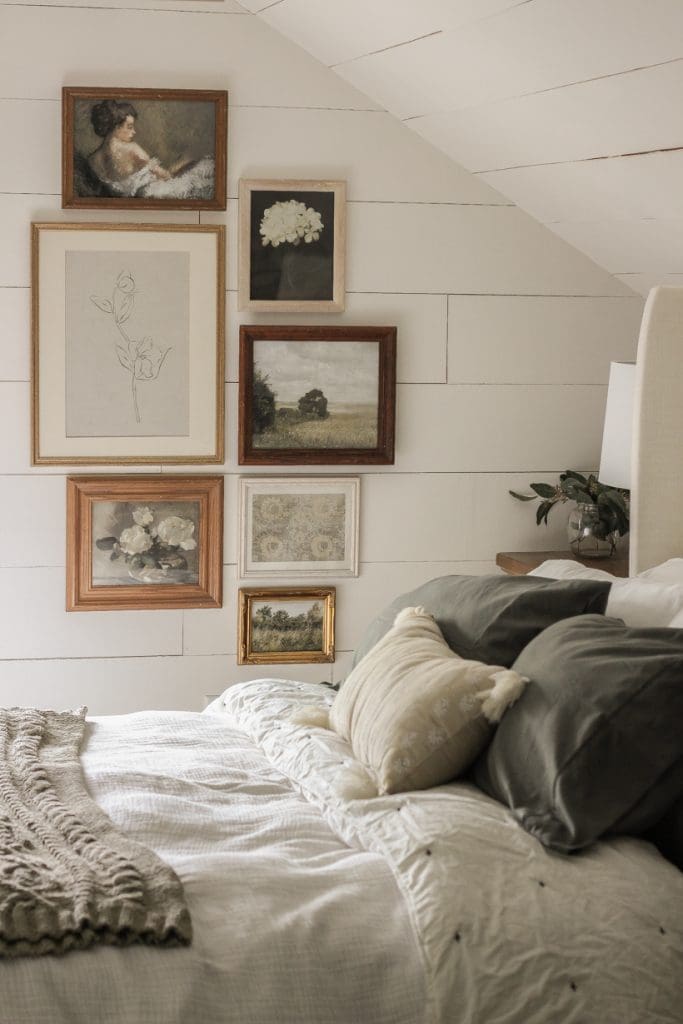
570 108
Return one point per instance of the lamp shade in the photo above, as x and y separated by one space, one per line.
615 460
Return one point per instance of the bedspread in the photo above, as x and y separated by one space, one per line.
426 907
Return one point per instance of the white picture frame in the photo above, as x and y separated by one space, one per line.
284 519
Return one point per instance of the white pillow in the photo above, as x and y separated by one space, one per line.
670 571
415 712
638 600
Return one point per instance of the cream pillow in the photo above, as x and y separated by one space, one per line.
415 712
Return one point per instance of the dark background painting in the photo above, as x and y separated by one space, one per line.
292 272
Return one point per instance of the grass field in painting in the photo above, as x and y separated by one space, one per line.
347 426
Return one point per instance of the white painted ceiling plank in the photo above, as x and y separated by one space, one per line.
643 282
614 189
633 113
529 48
336 32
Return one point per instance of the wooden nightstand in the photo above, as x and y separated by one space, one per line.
519 563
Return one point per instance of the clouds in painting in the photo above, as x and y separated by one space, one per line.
347 372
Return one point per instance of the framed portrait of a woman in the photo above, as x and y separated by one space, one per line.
144 149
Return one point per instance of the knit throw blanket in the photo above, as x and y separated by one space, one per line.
68 878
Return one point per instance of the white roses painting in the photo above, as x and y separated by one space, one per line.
142 541
145 543
292 246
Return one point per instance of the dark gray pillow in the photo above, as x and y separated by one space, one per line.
492 618
595 743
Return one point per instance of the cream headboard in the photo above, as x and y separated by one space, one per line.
657 467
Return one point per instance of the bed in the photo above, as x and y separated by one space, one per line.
426 906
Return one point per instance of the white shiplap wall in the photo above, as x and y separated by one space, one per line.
505 334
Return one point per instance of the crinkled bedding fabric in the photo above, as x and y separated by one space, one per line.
428 907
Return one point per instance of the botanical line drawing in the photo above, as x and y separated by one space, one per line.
141 358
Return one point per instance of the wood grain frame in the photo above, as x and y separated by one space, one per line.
218 97
337 302
248 596
381 454
81 494
146 454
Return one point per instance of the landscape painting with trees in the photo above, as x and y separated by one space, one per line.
288 625
326 396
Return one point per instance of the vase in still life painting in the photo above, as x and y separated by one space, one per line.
145 543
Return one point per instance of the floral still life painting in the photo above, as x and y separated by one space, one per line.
144 542
305 526
144 148
292 245
127 339
286 626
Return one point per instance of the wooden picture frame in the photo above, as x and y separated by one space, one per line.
292 240
344 376
128 343
178 162
298 526
144 541
310 625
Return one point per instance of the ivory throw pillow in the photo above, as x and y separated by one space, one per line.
416 713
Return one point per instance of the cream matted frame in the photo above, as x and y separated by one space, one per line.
336 302
285 487
204 442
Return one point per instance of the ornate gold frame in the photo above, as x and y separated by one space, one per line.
249 595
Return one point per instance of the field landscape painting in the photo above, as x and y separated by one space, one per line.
286 625
314 399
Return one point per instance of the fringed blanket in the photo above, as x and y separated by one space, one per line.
68 878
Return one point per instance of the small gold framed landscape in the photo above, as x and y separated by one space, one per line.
292 238
144 149
287 625
128 328
142 541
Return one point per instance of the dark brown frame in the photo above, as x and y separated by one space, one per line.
382 454
249 595
72 202
83 491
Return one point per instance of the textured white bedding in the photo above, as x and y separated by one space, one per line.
429 907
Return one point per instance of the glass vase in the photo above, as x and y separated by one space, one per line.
589 536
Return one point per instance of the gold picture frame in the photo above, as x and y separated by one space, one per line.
144 541
292 241
128 344
300 634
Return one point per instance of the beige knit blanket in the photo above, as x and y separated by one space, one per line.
68 878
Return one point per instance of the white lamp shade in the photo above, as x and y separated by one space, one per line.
615 460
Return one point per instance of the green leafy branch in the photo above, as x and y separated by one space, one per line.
612 502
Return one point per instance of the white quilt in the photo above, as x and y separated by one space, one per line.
430 907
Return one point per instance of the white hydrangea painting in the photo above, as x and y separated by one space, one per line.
292 245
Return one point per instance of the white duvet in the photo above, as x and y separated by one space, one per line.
424 907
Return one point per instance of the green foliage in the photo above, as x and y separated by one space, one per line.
313 405
612 502
263 398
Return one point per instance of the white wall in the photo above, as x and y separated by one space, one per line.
505 335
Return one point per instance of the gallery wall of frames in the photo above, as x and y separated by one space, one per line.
263 356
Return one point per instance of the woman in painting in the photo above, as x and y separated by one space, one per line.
122 167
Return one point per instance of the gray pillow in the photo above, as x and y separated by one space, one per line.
595 743
492 618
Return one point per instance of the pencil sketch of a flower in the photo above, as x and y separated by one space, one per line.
141 358
290 221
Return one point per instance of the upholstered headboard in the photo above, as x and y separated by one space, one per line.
657 466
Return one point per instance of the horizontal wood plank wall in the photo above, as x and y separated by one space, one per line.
505 335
